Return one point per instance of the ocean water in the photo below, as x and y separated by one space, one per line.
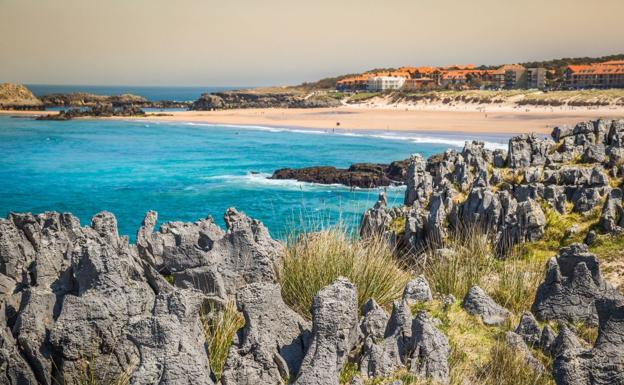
151 93
189 171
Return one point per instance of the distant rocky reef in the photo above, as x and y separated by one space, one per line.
82 99
262 98
99 110
18 97
362 175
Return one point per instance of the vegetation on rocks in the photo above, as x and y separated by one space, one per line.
220 325
314 260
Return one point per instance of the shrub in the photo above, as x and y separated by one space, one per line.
220 325
314 260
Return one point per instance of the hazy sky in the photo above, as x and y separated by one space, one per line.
261 42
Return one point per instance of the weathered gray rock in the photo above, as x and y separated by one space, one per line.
171 342
516 342
430 350
612 216
334 333
418 181
244 254
270 347
478 303
499 158
374 320
604 363
572 286
529 329
417 290
528 150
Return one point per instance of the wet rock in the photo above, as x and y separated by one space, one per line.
334 333
270 347
572 286
478 303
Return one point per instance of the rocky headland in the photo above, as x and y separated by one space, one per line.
286 97
362 175
99 110
83 99
76 298
18 97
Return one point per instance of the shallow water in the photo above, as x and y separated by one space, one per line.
189 171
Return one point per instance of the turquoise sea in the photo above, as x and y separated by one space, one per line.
189 171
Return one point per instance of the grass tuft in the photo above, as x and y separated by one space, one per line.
220 326
314 260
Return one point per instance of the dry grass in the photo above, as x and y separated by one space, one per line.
89 376
314 260
220 326
507 367
468 259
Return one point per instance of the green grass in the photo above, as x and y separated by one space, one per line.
362 96
314 260
220 326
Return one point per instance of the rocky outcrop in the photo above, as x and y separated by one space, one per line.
574 364
84 99
572 286
100 110
505 193
334 333
269 349
18 97
478 303
262 98
363 175
82 299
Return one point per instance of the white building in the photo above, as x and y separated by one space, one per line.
383 83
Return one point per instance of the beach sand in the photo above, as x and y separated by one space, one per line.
459 118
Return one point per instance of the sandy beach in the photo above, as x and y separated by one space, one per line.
458 118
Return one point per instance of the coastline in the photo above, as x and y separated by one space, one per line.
458 118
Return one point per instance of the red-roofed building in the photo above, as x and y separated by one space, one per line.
598 75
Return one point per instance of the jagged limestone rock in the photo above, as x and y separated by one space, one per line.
529 329
612 216
334 333
430 350
243 254
418 181
604 363
270 347
374 320
516 342
572 285
478 303
417 290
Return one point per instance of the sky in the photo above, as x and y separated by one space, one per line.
281 42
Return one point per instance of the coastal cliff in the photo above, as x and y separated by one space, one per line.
18 97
